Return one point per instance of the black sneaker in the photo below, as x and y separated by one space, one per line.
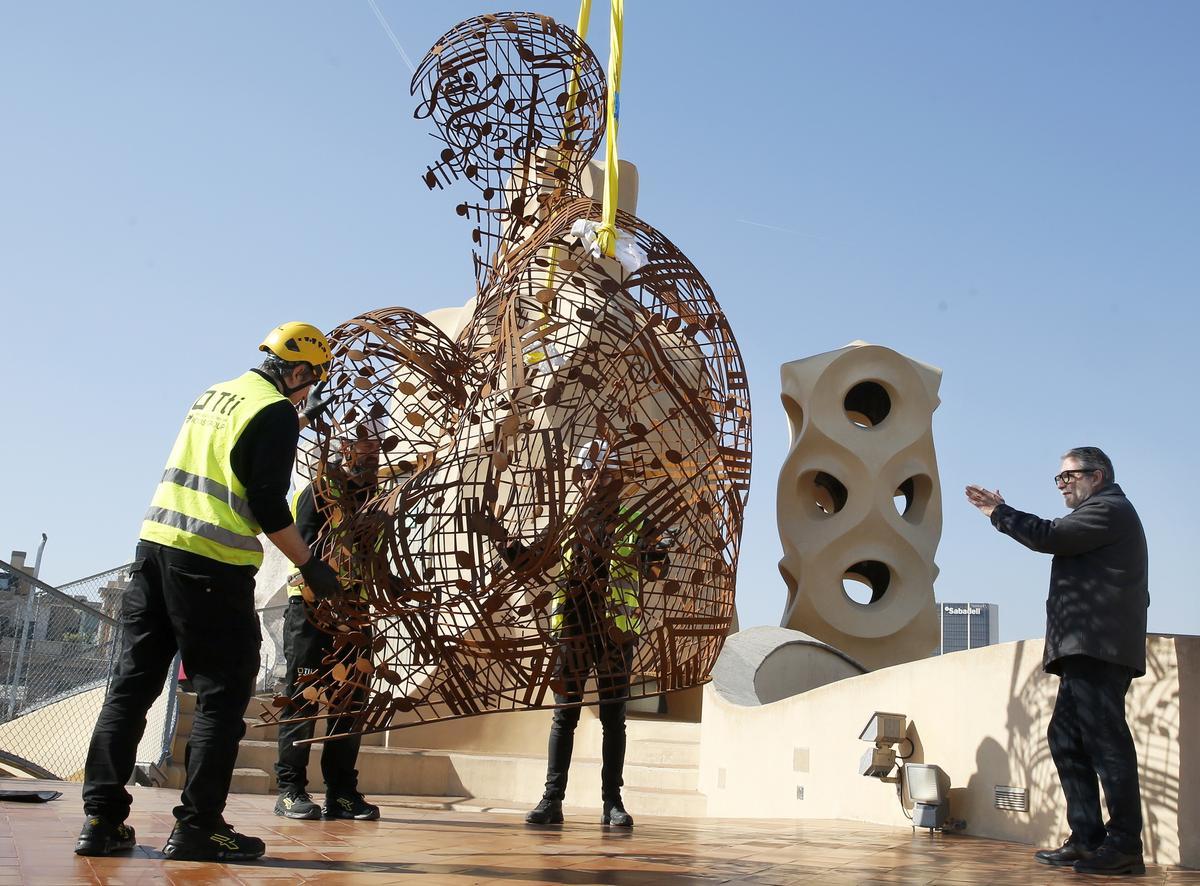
616 816
349 804
297 804
1065 855
1110 861
100 836
548 811
221 843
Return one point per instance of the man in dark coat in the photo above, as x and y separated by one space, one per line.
1096 644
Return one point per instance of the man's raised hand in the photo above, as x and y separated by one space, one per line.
984 499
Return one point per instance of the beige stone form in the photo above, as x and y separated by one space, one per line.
859 503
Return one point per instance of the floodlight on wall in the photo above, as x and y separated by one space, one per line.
877 762
883 730
929 788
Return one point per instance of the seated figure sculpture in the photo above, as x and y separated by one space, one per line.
564 348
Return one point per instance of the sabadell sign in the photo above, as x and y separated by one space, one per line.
962 610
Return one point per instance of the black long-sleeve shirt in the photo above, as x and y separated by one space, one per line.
312 516
262 459
309 519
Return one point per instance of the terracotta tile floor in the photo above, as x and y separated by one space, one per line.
410 846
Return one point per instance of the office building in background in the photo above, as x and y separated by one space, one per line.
967 626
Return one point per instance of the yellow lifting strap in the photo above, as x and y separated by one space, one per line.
606 236
581 28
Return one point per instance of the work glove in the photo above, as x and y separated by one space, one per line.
316 402
320 578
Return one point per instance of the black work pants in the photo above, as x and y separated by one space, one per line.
585 646
177 601
305 648
1088 738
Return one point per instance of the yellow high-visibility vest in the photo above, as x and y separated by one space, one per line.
200 504
622 606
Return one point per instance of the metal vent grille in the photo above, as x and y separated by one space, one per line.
1012 799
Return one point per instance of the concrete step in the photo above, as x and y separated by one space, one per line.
257 730
260 729
520 778
675 778
658 729
451 779
658 801
662 751
246 779
380 770
250 781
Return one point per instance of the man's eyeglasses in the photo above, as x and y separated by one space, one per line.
1066 478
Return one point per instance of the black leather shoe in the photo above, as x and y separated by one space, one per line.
221 843
616 816
349 804
1065 855
103 837
546 812
1112 862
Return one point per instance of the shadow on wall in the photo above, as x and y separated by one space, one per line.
1153 712
916 754
991 769
1187 709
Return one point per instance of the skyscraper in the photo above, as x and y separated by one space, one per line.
967 626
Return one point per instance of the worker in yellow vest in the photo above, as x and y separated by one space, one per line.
597 620
345 487
191 590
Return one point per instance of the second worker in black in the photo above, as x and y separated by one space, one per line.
307 648
597 620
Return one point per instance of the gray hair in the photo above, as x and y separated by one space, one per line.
279 368
1092 458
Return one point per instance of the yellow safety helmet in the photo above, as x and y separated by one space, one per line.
299 343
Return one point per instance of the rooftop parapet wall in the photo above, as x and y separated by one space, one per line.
980 715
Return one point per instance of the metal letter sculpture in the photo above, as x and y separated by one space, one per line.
496 449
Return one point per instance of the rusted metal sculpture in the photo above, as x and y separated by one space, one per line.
494 448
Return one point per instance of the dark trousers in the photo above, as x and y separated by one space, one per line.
305 648
584 647
1088 738
203 609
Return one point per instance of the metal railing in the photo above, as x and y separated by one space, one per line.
58 649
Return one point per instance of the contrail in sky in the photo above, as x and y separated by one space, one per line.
391 36
768 227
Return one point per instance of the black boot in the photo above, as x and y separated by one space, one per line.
222 843
1065 855
103 837
548 811
616 816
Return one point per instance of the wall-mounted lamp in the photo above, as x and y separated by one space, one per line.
883 730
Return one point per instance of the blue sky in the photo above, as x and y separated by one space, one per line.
1007 191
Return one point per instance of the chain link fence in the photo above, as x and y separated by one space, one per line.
58 648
